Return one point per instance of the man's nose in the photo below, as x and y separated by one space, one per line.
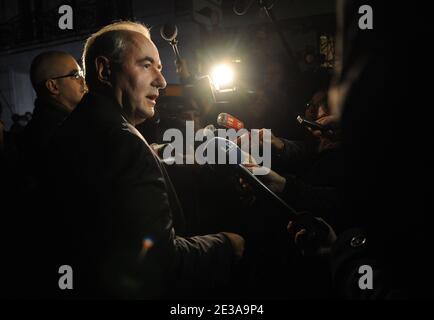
160 81
83 84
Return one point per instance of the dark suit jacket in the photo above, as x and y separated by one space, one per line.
47 116
114 213
33 141
25 160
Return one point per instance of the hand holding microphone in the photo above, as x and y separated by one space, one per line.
312 235
228 121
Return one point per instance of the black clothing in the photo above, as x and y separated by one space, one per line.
47 116
33 141
316 188
380 193
116 209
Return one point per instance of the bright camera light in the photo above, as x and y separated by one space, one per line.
222 76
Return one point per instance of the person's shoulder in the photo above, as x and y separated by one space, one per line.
91 118
125 142
127 156
122 134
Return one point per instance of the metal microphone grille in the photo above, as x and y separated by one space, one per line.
169 31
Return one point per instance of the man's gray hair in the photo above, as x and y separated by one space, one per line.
110 42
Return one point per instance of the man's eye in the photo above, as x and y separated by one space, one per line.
147 66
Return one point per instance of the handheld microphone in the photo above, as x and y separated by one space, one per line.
228 150
228 121
169 31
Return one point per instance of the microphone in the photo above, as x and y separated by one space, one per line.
240 7
234 159
228 121
169 32
228 149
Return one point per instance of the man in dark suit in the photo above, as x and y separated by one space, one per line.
116 205
59 85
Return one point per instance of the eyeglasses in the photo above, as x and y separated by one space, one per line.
77 74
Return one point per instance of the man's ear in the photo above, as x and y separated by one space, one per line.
52 86
103 70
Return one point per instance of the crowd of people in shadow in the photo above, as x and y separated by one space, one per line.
84 184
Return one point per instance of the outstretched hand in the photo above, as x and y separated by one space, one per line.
312 235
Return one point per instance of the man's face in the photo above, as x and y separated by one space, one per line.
71 89
139 79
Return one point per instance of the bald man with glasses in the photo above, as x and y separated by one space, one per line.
59 85
57 79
